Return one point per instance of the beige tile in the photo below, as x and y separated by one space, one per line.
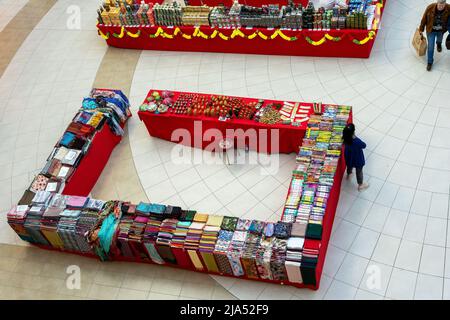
11 251
220 293
197 290
166 286
137 282
107 278
130 294
55 270
187 298
82 292
161 296
103 292
8 264
165 272
48 284
148 270
29 268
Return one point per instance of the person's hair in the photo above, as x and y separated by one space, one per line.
441 1
347 134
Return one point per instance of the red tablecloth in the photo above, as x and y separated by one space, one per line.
345 47
164 125
91 166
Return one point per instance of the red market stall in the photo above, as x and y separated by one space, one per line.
85 177
165 125
347 43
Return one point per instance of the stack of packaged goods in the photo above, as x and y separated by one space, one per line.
167 14
359 15
195 16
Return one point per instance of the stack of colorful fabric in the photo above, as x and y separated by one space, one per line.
294 258
67 229
157 211
310 258
177 244
278 258
164 239
88 219
16 219
208 242
263 257
150 235
49 226
221 249
33 225
235 251
193 239
76 202
135 236
249 254
122 238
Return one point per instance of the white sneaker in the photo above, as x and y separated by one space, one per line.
363 187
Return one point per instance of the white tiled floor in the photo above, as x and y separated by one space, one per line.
396 230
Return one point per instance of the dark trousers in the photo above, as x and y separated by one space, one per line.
359 174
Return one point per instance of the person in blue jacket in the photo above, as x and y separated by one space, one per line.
354 155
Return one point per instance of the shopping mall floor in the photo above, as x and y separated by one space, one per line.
398 226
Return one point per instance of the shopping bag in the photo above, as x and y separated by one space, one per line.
447 42
419 43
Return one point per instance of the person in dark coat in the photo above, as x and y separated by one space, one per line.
354 155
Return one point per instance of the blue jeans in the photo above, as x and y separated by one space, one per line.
433 37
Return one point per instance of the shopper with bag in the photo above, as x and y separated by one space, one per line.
435 22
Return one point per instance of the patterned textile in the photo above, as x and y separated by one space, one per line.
229 223
39 183
67 229
282 230
223 263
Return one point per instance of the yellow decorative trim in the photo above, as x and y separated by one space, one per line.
134 35
104 36
262 35
222 36
235 33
